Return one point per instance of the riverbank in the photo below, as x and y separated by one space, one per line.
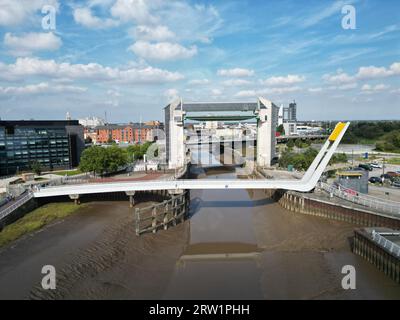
237 244
36 220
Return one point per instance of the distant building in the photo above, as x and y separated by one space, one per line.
54 144
129 133
280 115
308 130
91 122
289 118
355 180
153 123
290 128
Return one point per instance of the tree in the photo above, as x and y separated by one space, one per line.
93 159
290 144
115 158
138 151
36 167
300 161
101 160
281 129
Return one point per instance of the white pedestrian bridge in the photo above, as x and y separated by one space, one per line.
307 183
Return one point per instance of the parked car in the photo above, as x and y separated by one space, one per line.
375 180
393 174
386 177
396 184
376 165
365 166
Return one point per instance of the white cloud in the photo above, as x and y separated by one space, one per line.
373 72
339 78
216 92
236 72
345 86
199 82
136 10
171 94
324 13
246 94
364 73
284 81
153 33
368 89
15 12
236 82
31 42
281 90
162 51
267 91
85 17
395 91
40 88
318 89
189 22
24 67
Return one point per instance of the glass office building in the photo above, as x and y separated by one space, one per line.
54 144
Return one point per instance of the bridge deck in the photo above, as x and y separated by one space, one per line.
307 183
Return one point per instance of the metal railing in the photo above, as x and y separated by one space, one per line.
17 203
388 207
392 247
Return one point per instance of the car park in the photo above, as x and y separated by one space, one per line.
365 166
396 184
376 165
393 174
375 180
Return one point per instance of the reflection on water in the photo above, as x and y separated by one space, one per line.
219 261
244 246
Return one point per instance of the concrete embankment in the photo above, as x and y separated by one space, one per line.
311 205
386 260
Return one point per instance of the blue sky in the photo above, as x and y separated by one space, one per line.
129 58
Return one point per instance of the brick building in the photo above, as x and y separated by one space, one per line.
129 133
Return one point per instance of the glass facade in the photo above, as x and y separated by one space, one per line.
20 145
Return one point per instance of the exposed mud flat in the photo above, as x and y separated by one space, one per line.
97 255
237 244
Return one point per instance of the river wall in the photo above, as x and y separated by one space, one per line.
301 203
381 258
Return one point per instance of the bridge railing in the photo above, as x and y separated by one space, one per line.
386 243
17 203
161 215
391 208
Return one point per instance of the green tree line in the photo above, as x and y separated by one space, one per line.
101 160
301 161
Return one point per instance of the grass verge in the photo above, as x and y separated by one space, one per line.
36 220
393 161
68 173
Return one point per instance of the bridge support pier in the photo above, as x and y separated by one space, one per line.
75 197
174 192
175 140
131 195
267 112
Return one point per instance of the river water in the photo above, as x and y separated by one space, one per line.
238 244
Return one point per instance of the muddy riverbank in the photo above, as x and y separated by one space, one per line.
237 244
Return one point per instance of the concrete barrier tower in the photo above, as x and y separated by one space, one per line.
267 120
175 140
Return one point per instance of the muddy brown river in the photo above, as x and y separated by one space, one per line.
237 244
